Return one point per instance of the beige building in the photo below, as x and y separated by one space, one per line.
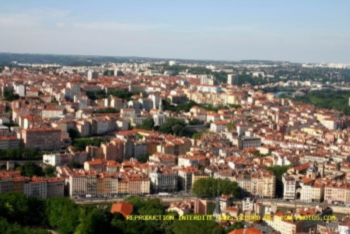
263 183
337 191
42 138
113 150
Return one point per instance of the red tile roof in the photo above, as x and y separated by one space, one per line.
123 208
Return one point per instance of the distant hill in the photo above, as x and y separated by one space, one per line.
89 60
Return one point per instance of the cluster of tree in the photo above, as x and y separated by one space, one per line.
278 171
123 94
96 95
21 214
195 122
10 96
337 100
196 135
31 169
183 107
80 144
174 126
143 158
147 124
210 187
20 154
106 110
231 126
210 107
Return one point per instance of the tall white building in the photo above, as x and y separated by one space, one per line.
207 80
232 79
92 75
20 89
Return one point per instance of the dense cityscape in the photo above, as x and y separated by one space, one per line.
174 117
179 133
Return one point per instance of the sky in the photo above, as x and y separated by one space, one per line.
311 31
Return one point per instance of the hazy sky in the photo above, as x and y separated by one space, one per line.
297 30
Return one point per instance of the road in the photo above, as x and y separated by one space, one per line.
278 202
111 200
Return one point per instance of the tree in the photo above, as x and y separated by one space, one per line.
80 144
107 110
230 126
207 226
147 124
143 158
195 122
73 133
92 221
123 94
49 171
9 95
197 135
209 187
173 126
30 169
62 214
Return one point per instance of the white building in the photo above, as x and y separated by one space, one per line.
172 62
163 180
247 205
92 75
52 159
207 80
232 79
20 90
289 187
160 117
219 126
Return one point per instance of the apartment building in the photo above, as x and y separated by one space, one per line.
113 150
219 126
337 191
9 142
249 142
289 187
51 112
163 180
185 178
42 138
84 128
263 183
81 183
163 159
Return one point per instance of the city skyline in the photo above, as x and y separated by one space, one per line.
278 31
